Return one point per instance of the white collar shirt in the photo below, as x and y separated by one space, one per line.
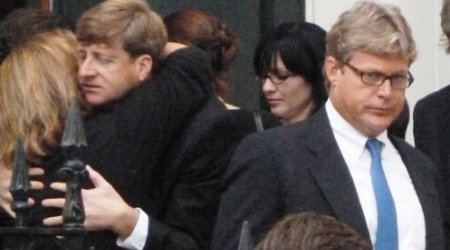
410 219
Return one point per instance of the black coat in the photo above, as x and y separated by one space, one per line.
126 144
127 147
432 136
299 168
190 181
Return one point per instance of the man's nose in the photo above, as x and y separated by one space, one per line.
385 88
86 68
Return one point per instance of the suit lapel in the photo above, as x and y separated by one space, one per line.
422 178
415 170
332 175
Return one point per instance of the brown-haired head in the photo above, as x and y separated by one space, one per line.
23 23
310 231
130 22
202 29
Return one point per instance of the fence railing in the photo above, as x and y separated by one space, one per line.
70 236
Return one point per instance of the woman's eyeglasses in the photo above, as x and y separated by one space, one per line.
275 78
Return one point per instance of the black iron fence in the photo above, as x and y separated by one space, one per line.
70 236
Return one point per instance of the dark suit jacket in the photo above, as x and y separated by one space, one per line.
431 127
298 168
126 144
188 191
432 136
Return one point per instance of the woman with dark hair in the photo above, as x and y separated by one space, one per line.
9 6
199 28
23 23
288 63
202 29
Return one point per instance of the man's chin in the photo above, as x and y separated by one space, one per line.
375 125
379 128
94 102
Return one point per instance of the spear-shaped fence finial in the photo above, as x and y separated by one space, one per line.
74 171
245 241
74 138
20 186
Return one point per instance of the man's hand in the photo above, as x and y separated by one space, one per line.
104 207
5 182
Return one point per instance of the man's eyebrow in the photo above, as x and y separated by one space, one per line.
100 54
400 72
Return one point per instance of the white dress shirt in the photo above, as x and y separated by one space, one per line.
136 241
410 218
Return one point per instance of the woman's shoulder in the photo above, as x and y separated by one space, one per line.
247 121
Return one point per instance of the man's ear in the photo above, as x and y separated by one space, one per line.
144 64
331 70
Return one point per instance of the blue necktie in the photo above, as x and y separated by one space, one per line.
387 233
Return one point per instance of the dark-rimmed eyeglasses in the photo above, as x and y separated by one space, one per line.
275 78
377 79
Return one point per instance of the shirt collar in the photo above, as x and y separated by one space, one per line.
346 134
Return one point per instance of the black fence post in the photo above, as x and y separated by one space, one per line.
73 172
245 241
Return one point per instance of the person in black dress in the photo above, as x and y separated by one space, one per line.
204 30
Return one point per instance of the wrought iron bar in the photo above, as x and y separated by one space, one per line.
245 241
20 187
74 172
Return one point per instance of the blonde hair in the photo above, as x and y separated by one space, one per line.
37 81
372 28
130 22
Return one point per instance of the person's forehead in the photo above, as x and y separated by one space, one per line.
395 61
114 48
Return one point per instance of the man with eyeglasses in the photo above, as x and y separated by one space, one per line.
341 161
